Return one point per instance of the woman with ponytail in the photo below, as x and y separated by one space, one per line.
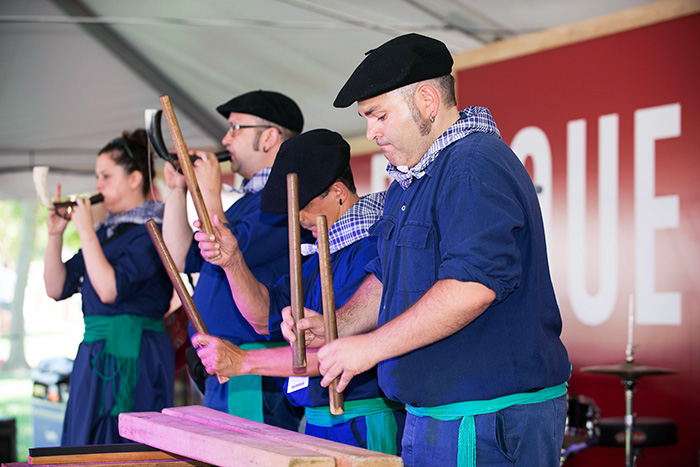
125 362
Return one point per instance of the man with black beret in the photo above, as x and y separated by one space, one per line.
321 160
466 330
258 123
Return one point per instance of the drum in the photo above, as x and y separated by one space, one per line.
582 429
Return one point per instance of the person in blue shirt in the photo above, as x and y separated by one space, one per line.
466 328
321 160
126 361
258 123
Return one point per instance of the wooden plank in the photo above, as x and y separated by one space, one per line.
100 453
214 445
346 456
145 463
613 23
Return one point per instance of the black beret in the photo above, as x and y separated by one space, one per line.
272 106
318 157
403 60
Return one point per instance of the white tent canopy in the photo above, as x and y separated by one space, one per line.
75 73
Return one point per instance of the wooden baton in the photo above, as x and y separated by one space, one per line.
335 398
296 288
186 166
190 309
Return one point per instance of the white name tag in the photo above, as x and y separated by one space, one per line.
294 383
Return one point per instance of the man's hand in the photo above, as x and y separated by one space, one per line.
208 172
219 357
221 248
346 357
173 178
312 323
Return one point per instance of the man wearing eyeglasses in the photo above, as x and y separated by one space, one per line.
321 160
259 122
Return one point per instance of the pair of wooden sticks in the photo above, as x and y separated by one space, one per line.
297 299
188 171
335 398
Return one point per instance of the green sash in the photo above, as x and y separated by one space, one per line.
466 451
245 391
120 355
378 413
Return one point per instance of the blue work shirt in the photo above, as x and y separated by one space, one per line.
263 239
143 286
474 217
348 269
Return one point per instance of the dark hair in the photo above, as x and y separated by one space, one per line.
445 85
346 178
130 151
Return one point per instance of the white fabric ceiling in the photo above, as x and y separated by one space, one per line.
75 73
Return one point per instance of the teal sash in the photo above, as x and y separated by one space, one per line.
378 413
120 355
245 391
466 451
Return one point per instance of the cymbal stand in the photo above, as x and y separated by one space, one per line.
630 457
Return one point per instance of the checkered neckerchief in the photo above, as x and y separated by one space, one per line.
139 215
471 120
353 225
256 183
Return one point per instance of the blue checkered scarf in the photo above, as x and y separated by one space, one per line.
353 225
471 120
139 215
256 183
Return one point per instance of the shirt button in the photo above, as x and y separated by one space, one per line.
403 208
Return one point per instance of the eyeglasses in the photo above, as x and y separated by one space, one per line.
234 128
124 145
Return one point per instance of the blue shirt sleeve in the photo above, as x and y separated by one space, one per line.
143 286
75 269
261 237
479 220
134 263
280 295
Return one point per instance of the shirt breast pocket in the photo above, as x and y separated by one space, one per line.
415 250
383 230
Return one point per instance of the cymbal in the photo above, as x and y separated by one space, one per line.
628 370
